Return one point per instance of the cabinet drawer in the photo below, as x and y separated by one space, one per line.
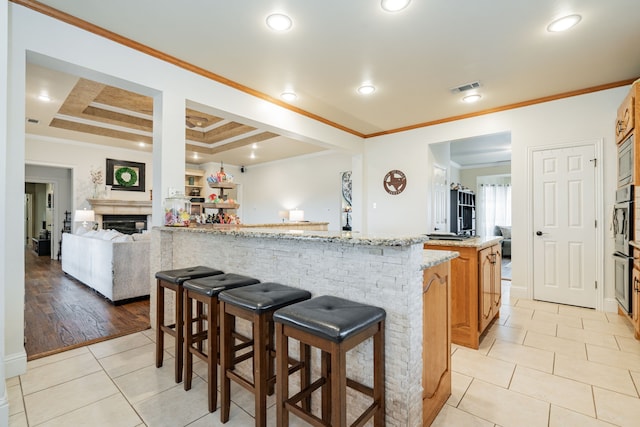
625 117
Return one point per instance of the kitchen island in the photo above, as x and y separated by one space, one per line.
392 272
475 286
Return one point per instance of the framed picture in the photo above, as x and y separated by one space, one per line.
123 175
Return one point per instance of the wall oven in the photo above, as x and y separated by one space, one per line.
625 162
623 225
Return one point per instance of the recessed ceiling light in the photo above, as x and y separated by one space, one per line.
195 155
44 97
472 98
564 23
394 5
366 89
288 96
254 146
253 155
279 22
142 144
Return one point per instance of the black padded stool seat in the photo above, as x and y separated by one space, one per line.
330 317
255 304
205 290
264 297
335 326
173 280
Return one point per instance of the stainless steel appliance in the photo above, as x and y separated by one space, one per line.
623 255
626 162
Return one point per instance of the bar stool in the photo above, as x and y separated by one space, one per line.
255 304
205 291
173 280
335 326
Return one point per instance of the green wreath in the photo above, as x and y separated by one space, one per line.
133 177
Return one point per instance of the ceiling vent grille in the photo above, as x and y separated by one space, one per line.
465 87
33 121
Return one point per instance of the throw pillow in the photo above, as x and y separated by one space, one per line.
122 238
506 231
111 234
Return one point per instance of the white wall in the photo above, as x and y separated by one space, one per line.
82 158
4 244
311 183
575 119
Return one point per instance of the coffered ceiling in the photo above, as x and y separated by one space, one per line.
84 110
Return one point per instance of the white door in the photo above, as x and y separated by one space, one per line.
440 195
564 216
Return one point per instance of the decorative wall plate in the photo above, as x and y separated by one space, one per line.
346 186
394 182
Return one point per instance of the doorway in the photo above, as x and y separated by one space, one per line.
471 163
564 212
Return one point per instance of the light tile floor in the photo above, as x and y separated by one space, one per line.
539 364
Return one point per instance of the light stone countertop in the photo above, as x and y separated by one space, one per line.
433 257
473 242
348 237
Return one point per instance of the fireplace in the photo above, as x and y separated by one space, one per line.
128 224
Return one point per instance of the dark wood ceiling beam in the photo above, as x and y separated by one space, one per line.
82 94
96 130
232 145
229 130
119 119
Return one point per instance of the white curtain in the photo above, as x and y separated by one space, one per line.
494 207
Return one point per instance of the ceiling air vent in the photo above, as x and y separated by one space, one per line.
465 87
33 121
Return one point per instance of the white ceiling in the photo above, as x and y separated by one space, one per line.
413 57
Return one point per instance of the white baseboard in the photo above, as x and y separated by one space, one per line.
610 305
519 291
15 364
4 405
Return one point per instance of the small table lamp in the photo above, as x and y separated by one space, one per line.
85 216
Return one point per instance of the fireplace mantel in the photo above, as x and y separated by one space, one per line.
120 207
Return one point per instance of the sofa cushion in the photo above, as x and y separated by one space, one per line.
122 238
111 234
505 231
141 236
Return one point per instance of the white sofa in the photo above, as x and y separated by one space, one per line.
114 264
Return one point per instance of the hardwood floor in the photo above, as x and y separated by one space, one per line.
61 313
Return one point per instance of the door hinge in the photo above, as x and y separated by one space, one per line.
595 223
595 162
596 284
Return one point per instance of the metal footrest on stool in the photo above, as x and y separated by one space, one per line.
173 280
205 291
335 326
255 304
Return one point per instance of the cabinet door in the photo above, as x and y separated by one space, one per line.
486 274
625 117
436 335
497 279
635 293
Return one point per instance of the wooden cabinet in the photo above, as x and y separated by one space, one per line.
194 188
475 290
436 340
635 293
489 260
625 118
